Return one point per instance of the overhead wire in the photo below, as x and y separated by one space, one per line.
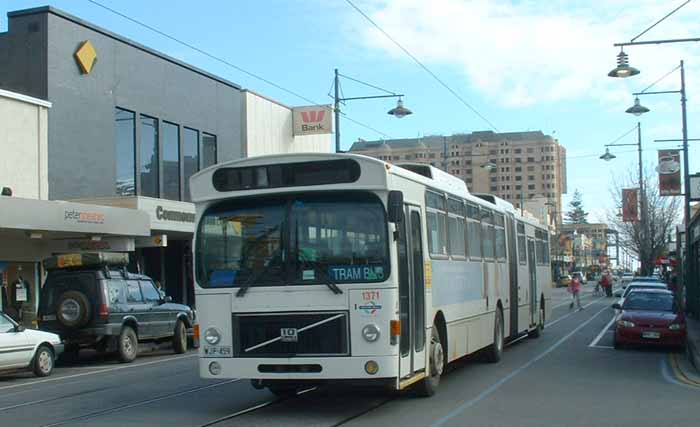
222 61
421 65
661 78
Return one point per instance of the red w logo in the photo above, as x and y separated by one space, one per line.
312 116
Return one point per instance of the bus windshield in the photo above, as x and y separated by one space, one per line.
296 239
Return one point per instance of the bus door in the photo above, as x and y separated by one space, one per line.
513 275
411 293
532 272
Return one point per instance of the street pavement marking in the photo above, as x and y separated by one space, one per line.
99 371
670 377
679 373
139 403
469 403
595 341
550 324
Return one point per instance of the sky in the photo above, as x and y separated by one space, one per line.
523 65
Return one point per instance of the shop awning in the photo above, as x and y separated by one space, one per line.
59 216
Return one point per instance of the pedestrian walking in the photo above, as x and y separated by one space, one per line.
575 289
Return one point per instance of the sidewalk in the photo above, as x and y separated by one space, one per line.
693 351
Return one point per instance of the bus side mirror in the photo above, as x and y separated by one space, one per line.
395 206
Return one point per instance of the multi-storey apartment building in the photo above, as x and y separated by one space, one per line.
516 166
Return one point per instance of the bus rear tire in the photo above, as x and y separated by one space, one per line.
428 386
494 352
537 332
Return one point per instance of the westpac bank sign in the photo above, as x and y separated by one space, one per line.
313 120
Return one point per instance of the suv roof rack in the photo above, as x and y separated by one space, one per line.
87 259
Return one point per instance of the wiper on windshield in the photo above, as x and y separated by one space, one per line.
328 281
254 277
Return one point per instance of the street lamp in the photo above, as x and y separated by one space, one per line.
637 109
399 111
623 68
489 166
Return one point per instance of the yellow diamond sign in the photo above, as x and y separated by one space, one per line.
86 56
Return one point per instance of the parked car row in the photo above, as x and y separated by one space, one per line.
91 301
648 315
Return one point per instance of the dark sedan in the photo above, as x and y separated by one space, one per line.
649 317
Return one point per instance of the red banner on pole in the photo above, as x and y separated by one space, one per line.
669 170
630 212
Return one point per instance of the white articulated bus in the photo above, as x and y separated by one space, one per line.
313 268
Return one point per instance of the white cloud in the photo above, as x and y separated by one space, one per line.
520 53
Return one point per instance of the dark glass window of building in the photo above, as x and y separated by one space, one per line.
126 152
171 161
148 168
191 157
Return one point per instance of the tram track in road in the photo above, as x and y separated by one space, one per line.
103 412
275 402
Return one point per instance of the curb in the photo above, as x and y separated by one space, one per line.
693 354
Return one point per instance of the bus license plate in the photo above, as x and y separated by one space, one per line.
289 335
651 335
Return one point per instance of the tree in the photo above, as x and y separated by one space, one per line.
576 214
662 214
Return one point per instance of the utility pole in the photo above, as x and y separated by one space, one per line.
336 109
444 153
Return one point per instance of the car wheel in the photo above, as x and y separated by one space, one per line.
180 337
73 309
436 365
495 350
43 362
128 345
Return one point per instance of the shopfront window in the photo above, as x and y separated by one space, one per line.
208 150
125 153
171 161
191 158
148 168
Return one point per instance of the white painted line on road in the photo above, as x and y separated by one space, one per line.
600 335
100 371
140 403
497 385
550 324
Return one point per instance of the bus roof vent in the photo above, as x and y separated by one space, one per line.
488 197
419 169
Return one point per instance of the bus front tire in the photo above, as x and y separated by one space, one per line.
428 386
494 352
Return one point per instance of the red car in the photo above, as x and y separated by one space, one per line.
649 317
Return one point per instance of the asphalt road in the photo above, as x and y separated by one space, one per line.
571 376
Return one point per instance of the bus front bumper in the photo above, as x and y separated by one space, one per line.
300 368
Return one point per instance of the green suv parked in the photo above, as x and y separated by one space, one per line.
91 301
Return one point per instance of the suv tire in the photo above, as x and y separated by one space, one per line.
73 309
180 337
128 345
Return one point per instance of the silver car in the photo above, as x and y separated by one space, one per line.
28 349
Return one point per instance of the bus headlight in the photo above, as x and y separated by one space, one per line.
214 368
212 336
370 333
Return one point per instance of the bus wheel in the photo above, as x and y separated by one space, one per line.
537 332
430 383
495 350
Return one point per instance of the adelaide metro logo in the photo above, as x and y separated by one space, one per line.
313 116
